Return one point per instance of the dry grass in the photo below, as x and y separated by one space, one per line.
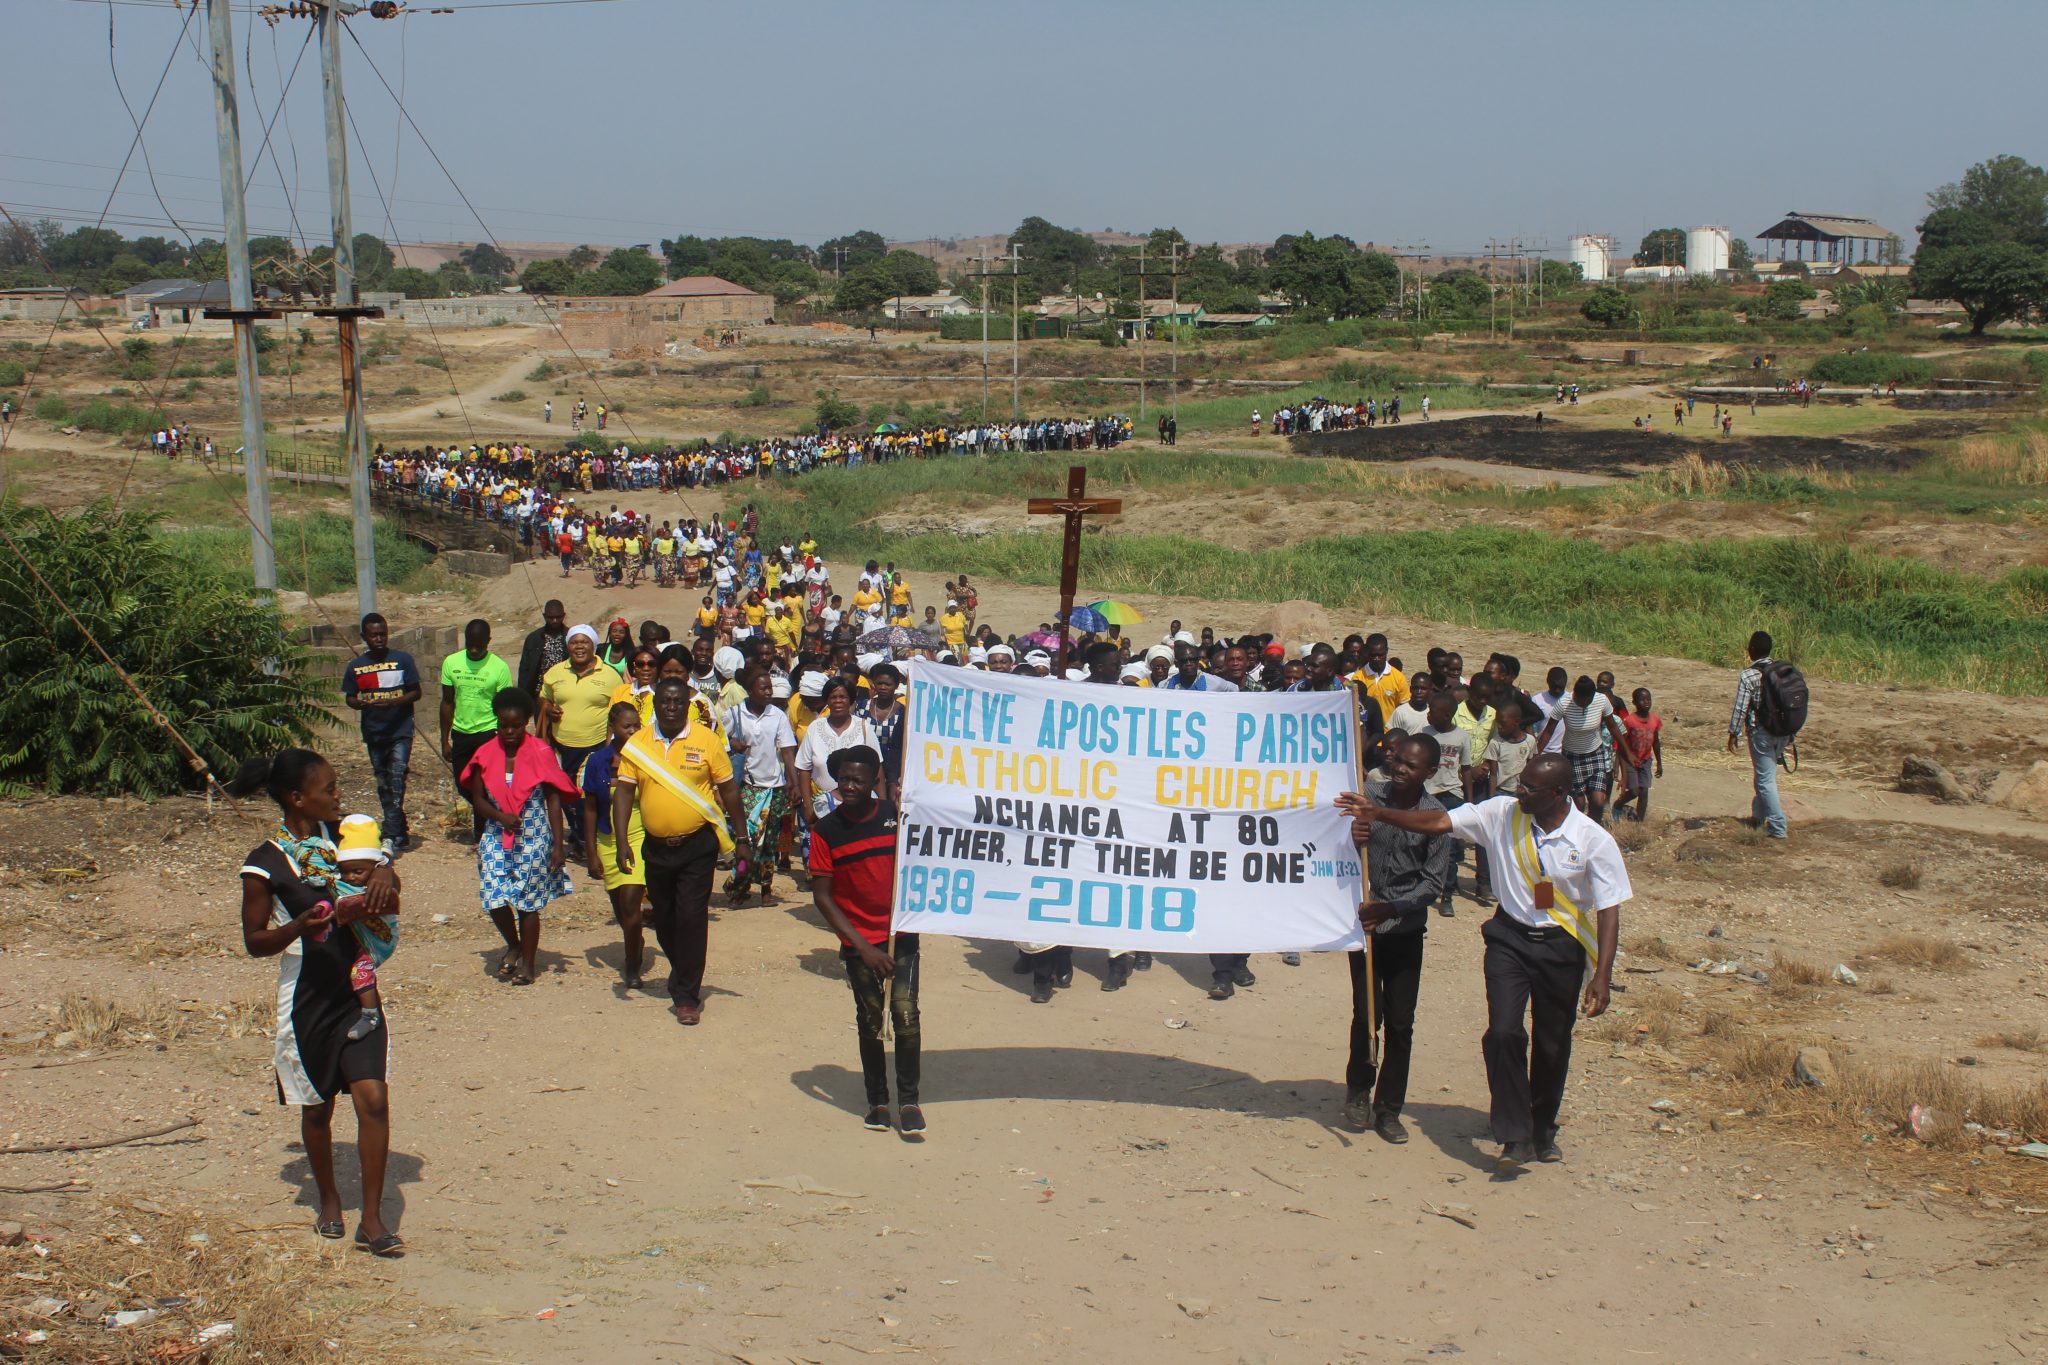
1655 947
101 1023
1900 876
1797 973
287 1295
2019 1040
1882 1094
1923 951
2020 458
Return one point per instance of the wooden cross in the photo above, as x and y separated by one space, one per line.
1074 506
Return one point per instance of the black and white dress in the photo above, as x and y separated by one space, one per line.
315 1057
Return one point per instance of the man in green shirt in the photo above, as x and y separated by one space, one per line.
470 678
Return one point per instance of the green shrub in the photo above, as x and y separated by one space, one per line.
406 391
756 397
432 362
511 396
12 374
187 371
190 637
53 410
1864 368
224 368
539 373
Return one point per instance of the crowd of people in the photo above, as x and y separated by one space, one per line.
654 760
1320 414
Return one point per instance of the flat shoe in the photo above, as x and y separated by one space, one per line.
333 1231
389 1246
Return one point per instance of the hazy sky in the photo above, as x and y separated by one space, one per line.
1442 123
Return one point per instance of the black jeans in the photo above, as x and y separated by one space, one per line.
1537 971
1223 966
679 907
1396 982
1451 801
867 1016
465 747
389 760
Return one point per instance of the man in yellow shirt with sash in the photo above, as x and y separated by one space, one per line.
679 772
1561 882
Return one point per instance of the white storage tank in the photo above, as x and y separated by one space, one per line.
1706 250
1591 254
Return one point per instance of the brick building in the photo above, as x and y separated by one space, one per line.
680 309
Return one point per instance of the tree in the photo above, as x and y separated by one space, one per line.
415 283
913 274
486 262
1663 246
1609 305
1055 258
792 280
374 262
190 638
1740 261
547 277
858 247
1560 274
1993 282
2008 192
454 278
834 412
1458 293
688 256
862 290
627 270
1330 277
1984 243
1781 301
582 258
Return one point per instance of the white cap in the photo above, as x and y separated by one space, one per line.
977 655
1135 671
1077 674
587 632
868 661
1183 637
728 661
778 686
1038 658
1159 652
1004 650
812 685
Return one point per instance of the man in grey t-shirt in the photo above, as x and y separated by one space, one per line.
1451 783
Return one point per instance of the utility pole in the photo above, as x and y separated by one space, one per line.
241 307
1492 252
1172 274
1417 252
1173 278
1016 333
346 312
1144 326
984 333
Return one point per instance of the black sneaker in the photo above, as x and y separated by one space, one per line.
1518 1153
1041 989
1222 990
1445 910
1064 977
1390 1128
910 1120
877 1120
1143 962
1243 977
1548 1150
1358 1110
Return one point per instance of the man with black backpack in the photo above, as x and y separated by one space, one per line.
1770 708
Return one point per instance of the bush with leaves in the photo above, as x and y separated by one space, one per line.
195 642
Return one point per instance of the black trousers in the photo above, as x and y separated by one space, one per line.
465 747
1537 972
868 993
679 902
1450 802
1223 966
1396 983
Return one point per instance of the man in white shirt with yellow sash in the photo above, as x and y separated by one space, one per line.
1561 882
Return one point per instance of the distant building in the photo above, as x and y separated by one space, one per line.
193 298
139 299
915 306
1236 321
706 300
1823 237
1163 313
42 303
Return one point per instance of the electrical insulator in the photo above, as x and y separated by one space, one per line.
385 9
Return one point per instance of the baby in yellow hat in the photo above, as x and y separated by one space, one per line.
357 853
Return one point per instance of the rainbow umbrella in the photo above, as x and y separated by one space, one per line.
1117 613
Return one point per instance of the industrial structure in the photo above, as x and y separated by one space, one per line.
1823 237
1706 250
1593 255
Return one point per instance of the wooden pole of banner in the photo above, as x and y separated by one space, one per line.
1360 700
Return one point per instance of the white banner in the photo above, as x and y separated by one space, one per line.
1126 817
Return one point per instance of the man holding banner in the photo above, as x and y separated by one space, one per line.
1561 883
1130 819
1407 873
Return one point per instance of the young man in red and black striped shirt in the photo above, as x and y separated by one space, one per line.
853 873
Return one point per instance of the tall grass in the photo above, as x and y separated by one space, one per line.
1840 612
315 553
2018 457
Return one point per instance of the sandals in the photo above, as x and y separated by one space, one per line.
509 966
390 1245
522 978
333 1231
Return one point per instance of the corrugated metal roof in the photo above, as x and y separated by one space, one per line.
1798 226
699 287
